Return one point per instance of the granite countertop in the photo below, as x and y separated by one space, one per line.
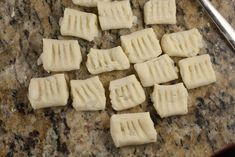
61 131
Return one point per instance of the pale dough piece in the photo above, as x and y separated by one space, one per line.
160 12
115 15
88 3
156 71
141 46
61 55
132 129
197 71
79 24
99 61
170 100
48 91
88 95
182 44
126 93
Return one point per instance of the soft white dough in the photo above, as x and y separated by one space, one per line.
88 95
197 71
156 71
132 129
61 55
48 91
115 15
160 12
105 60
182 44
79 24
126 93
141 46
170 100
88 3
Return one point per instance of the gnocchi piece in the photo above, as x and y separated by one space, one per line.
60 55
132 129
197 71
79 24
182 44
88 3
88 95
141 46
126 93
115 15
160 12
99 61
170 100
156 71
48 91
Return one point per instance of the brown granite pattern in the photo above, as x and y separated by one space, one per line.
209 126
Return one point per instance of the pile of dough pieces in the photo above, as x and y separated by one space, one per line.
142 48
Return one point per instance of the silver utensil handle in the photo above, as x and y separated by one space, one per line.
225 28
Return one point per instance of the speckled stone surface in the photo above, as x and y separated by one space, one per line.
209 126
